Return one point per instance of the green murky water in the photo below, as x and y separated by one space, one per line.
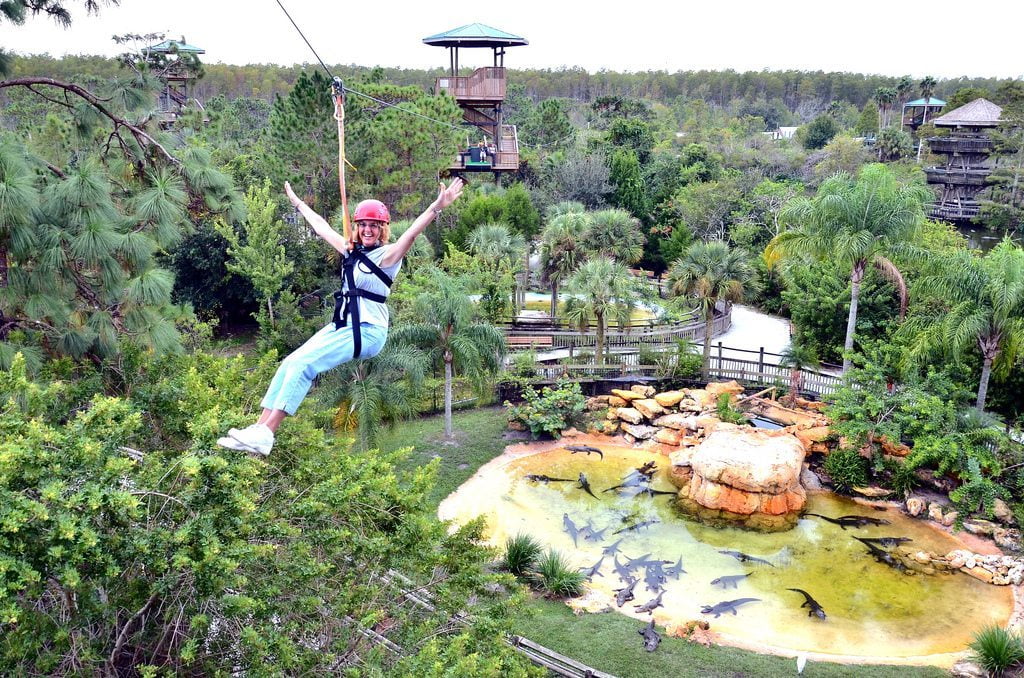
873 610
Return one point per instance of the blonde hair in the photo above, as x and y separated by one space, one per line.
353 236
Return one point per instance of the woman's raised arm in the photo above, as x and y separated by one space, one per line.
316 222
446 195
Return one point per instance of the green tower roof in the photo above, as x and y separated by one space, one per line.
931 102
175 45
475 35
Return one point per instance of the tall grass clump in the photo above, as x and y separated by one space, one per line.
555 576
521 553
996 649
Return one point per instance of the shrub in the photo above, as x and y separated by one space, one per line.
904 480
847 469
524 365
997 649
555 576
727 413
549 412
521 552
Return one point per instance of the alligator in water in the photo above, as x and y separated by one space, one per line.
629 481
721 608
595 569
883 556
744 558
654 576
585 486
647 470
814 609
611 548
637 526
851 521
585 449
571 528
730 580
535 478
676 569
650 604
888 542
650 636
624 572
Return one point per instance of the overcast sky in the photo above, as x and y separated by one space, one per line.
870 36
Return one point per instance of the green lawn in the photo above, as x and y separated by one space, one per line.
608 642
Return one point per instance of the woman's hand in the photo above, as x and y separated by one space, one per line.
447 195
292 198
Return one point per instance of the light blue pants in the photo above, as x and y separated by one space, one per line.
326 349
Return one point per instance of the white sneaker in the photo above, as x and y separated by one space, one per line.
257 438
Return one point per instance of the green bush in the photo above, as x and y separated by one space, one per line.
549 412
683 363
521 552
555 576
524 365
997 649
847 469
727 413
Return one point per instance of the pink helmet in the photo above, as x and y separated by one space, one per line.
372 210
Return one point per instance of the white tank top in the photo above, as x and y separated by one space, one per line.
373 312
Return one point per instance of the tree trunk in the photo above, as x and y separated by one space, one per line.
448 395
270 310
851 322
794 383
709 327
554 299
599 354
986 371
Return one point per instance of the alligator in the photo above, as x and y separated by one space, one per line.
585 449
650 604
585 486
676 569
728 580
888 542
851 521
650 636
611 548
535 478
571 528
637 526
814 609
718 609
589 572
625 594
883 556
744 558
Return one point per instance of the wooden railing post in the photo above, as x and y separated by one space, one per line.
719 360
760 363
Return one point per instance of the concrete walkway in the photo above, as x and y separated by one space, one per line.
752 330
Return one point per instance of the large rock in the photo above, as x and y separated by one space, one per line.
670 398
640 432
626 395
668 436
916 506
642 390
714 390
679 422
1002 511
745 476
648 407
616 401
630 415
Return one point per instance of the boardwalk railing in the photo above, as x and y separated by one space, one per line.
760 368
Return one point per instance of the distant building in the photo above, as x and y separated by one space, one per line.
782 133
176 64
920 111
967 163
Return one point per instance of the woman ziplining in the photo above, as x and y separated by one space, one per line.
359 327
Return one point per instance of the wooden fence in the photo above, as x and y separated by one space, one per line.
759 368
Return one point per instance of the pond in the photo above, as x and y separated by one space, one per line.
874 613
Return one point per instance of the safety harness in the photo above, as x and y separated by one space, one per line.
346 300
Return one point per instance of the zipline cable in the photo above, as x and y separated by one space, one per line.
357 93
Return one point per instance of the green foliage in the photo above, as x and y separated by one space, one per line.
555 576
997 649
550 411
727 413
867 123
261 258
819 132
631 134
903 479
521 554
126 534
894 144
977 492
602 289
629 189
847 469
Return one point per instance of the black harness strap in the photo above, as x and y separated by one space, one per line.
346 304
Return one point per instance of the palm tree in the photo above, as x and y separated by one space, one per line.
561 249
984 306
855 223
373 395
709 272
601 288
797 357
615 234
927 89
564 207
499 250
449 332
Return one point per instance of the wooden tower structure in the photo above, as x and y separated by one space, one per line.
176 63
962 176
920 111
491 145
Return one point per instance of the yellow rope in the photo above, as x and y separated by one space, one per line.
339 115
